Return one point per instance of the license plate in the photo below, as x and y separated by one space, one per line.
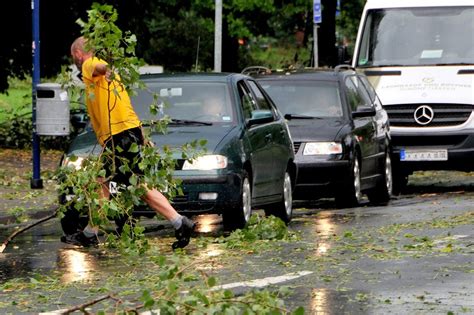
423 155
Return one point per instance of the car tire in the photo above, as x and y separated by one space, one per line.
121 221
73 221
383 191
284 208
400 182
400 179
237 217
350 194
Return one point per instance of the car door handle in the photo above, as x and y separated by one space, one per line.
268 137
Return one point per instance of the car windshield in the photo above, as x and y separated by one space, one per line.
418 36
305 98
186 102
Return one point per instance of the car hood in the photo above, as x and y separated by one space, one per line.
86 143
177 136
303 130
443 84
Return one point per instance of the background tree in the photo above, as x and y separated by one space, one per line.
169 30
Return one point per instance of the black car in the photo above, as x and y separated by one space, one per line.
340 133
250 157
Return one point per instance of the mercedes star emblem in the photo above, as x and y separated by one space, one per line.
423 115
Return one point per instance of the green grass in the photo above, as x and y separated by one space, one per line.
18 96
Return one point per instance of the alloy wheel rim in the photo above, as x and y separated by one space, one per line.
358 194
246 199
388 174
287 195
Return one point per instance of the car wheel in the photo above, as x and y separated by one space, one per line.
284 208
350 194
400 181
383 191
121 221
73 221
238 216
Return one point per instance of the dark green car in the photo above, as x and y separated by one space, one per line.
249 161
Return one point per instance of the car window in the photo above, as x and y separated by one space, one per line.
309 98
262 102
356 93
370 89
207 102
247 102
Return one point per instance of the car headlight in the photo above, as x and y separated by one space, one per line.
206 162
322 148
75 162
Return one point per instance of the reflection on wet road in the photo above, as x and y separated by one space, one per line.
394 283
76 265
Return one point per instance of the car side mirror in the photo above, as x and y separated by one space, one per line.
260 117
364 111
79 119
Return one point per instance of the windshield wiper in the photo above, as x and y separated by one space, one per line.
189 122
298 116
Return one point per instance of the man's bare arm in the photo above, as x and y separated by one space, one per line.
100 69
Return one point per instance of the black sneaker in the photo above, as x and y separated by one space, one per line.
183 234
79 239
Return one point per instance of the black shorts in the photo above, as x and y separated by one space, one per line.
122 143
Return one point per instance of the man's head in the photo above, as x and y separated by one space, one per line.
79 52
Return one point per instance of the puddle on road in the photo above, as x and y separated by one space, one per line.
326 224
39 251
328 302
76 265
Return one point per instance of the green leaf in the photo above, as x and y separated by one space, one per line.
299 311
134 148
211 281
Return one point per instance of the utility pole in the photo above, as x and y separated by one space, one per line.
317 18
218 37
36 182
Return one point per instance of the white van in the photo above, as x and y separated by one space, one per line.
419 55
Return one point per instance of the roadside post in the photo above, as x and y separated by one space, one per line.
36 182
218 37
317 18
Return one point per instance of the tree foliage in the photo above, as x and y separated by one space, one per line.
170 31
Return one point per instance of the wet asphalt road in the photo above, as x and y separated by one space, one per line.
414 256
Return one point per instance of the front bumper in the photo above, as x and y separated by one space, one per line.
226 186
319 178
459 145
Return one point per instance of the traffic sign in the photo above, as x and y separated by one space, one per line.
317 17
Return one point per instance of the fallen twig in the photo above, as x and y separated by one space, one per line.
14 234
83 307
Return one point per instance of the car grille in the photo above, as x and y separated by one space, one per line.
181 198
296 145
444 115
422 141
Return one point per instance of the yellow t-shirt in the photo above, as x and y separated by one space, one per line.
109 106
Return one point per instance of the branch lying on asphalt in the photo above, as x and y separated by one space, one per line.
14 234
83 306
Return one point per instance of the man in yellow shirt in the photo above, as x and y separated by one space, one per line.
116 124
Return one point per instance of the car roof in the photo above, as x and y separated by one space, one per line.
381 4
306 74
193 76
